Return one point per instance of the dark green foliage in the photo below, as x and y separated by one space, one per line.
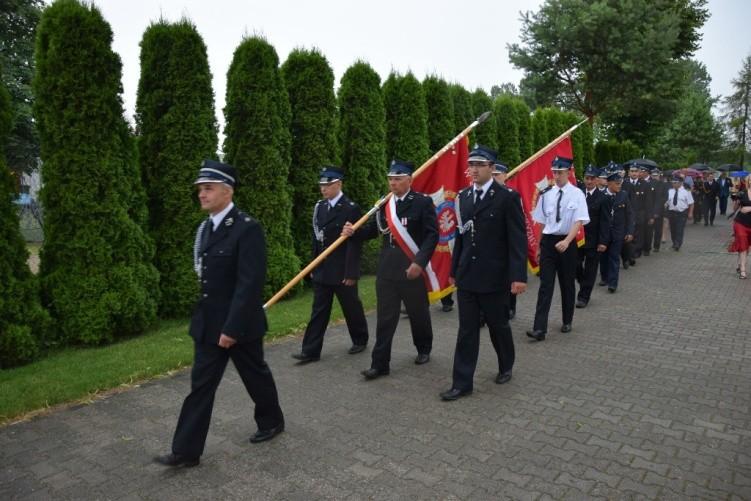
539 129
176 130
441 127
587 139
22 319
257 143
406 119
362 143
486 133
96 271
18 22
310 86
737 116
555 122
524 120
591 56
619 152
461 99
507 123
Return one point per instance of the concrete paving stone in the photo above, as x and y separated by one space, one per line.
646 398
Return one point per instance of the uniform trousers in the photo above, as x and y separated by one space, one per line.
709 210
649 233
612 264
586 271
323 299
389 295
677 226
208 368
563 264
494 308
657 232
723 204
640 231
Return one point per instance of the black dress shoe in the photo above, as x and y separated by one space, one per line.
373 373
177 460
626 264
454 394
264 435
566 328
447 308
581 303
511 314
632 262
304 358
422 358
602 283
357 348
611 290
537 335
503 377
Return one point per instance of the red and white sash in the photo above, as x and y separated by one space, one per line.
407 244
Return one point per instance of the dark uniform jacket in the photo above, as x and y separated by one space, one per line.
638 195
233 271
599 218
622 220
418 212
711 191
661 196
651 207
344 262
492 253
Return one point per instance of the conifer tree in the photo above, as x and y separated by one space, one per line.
257 144
362 143
176 131
525 129
440 113
507 124
96 272
486 134
22 320
406 119
309 80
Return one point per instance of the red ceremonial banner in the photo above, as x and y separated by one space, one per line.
442 182
529 181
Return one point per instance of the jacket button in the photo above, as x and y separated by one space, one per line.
205 254
205 295
205 281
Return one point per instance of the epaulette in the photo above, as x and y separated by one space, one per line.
542 192
244 217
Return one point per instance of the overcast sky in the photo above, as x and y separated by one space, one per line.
463 42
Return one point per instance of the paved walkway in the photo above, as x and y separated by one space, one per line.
648 397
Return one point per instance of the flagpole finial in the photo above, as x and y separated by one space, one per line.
483 117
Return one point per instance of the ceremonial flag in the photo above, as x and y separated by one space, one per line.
529 180
442 182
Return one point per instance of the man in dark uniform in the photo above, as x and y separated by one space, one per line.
488 264
562 209
725 185
610 168
617 228
650 208
634 187
500 170
339 272
401 266
697 191
228 321
711 194
661 193
589 258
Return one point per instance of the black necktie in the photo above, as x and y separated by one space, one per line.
478 196
675 198
588 195
558 207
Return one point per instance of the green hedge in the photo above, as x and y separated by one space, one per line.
96 273
176 130
406 119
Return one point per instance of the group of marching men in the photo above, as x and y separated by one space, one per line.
489 269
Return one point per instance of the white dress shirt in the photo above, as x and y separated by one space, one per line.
573 208
335 200
485 187
216 219
684 199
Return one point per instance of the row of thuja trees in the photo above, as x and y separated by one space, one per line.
120 210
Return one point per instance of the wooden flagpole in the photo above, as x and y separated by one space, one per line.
544 150
331 248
